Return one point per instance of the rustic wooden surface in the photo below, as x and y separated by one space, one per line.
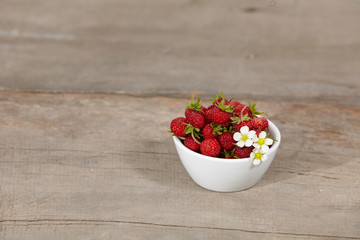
88 89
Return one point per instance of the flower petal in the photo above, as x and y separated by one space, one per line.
251 134
269 141
264 157
255 138
237 136
256 145
264 149
240 143
252 155
262 134
244 129
248 142
256 150
256 162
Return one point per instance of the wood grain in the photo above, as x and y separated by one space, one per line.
258 49
88 89
74 162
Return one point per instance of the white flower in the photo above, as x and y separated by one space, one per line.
257 156
244 137
262 142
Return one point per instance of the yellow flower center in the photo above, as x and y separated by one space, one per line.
261 141
258 155
244 137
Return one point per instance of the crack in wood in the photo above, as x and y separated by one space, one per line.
309 174
104 222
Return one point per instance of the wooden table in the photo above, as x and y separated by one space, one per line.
88 89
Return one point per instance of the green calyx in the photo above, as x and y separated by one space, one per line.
190 128
230 129
229 153
217 128
217 98
254 111
245 117
194 104
195 132
235 120
227 108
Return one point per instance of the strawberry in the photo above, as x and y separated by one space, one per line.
260 123
222 111
189 111
243 152
219 116
226 125
195 118
242 111
258 131
178 126
246 112
207 114
190 143
234 103
237 126
209 132
227 141
210 147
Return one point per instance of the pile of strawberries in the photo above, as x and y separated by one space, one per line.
210 130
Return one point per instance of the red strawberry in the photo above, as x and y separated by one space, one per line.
188 112
178 126
260 123
234 103
210 147
237 126
203 109
242 111
226 125
258 131
195 118
190 143
210 107
219 116
207 114
208 132
243 152
227 141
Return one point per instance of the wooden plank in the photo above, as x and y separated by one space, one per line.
108 161
258 49
44 230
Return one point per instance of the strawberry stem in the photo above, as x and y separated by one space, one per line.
192 135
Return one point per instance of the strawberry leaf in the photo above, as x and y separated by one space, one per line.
254 111
189 129
194 105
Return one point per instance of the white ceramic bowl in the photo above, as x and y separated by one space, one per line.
225 175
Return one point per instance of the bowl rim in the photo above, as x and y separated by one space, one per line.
274 147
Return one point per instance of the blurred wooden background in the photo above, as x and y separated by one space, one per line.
88 89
